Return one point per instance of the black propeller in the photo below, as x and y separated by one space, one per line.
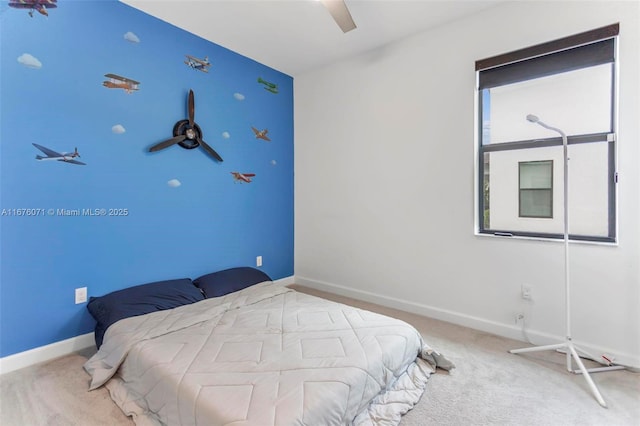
187 134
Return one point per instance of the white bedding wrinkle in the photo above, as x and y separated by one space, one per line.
265 355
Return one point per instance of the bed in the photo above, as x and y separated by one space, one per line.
259 354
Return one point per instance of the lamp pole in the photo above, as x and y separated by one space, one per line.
567 345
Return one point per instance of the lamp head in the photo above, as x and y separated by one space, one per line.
534 119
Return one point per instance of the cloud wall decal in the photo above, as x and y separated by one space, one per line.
29 61
129 36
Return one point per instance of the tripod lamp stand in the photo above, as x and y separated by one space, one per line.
568 346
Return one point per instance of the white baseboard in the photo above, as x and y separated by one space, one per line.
45 353
500 329
65 347
286 280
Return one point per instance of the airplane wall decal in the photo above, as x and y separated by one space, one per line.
269 87
118 82
261 134
51 155
39 6
242 177
198 64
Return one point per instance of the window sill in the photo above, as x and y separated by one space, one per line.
545 239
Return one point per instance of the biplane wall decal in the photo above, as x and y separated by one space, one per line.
39 6
118 82
198 64
268 86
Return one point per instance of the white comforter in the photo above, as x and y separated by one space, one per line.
266 355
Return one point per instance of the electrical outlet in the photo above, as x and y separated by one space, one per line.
526 291
81 295
259 261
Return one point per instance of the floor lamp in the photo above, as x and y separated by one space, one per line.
568 345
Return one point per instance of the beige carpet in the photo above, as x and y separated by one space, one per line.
488 387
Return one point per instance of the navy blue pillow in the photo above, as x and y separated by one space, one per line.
224 282
139 300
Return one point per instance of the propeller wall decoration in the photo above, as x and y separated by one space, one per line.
187 134
340 13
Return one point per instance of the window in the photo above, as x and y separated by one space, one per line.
536 189
570 85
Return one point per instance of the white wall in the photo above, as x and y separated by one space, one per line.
384 185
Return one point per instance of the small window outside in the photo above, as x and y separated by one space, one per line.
536 189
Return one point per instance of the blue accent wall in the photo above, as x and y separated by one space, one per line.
169 214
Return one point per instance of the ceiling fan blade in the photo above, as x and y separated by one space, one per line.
338 9
209 149
166 144
191 108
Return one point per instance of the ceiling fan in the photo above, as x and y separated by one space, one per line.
187 134
340 13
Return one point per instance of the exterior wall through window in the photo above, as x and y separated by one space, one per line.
569 84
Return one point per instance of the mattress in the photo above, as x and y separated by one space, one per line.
265 355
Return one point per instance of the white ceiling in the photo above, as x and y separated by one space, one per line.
295 36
